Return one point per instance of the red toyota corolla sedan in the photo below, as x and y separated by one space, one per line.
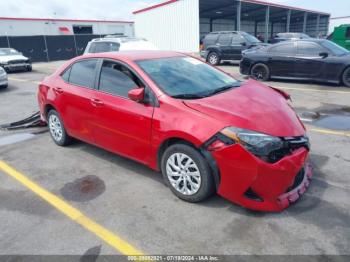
205 131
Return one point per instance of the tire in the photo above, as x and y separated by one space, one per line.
3 86
260 72
57 131
346 77
192 184
213 58
29 69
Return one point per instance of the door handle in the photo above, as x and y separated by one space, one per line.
58 90
96 102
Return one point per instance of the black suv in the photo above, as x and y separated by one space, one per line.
227 46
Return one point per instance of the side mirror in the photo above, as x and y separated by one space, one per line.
243 44
323 54
137 94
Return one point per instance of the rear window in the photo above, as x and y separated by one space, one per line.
82 73
285 48
210 39
102 47
225 39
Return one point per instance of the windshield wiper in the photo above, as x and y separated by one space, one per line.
223 89
188 96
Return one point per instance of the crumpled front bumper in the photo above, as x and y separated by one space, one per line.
272 183
16 67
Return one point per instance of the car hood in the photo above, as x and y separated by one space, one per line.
252 106
8 58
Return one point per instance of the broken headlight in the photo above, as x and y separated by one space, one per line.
257 143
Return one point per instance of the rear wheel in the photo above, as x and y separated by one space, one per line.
213 58
57 130
260 72
346 77
187 173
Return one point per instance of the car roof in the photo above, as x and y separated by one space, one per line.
314 40
123 39
226 32
134 55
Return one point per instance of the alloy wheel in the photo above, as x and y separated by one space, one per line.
259 73
213 59
55 126
346 78
183 174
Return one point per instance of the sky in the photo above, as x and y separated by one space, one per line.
122 9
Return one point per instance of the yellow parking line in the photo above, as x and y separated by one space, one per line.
23 80
313 90
329 132
115 241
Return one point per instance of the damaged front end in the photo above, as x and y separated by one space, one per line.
259 171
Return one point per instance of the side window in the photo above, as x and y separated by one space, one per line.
117 79
101 47
82 73
309 49
237 39
210 39
347 33
285 49
65 75
225 39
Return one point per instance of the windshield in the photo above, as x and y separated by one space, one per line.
187 77
334 48
250 38
8 51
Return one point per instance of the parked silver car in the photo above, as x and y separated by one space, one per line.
12 60
3 78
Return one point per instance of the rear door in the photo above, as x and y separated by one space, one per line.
310 63
281 59
122 126
74 91
224 44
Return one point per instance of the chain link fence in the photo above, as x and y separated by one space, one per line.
46 48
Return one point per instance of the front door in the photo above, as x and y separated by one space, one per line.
224 44
122 126
310 63
281 59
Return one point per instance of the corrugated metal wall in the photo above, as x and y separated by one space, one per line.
171 27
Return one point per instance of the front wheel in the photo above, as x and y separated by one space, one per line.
187 173
260 72
57 130
346 77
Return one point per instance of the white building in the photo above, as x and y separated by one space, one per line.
46 26
180 24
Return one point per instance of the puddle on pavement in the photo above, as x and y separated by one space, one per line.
83 189
334 122
15 138
328 116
